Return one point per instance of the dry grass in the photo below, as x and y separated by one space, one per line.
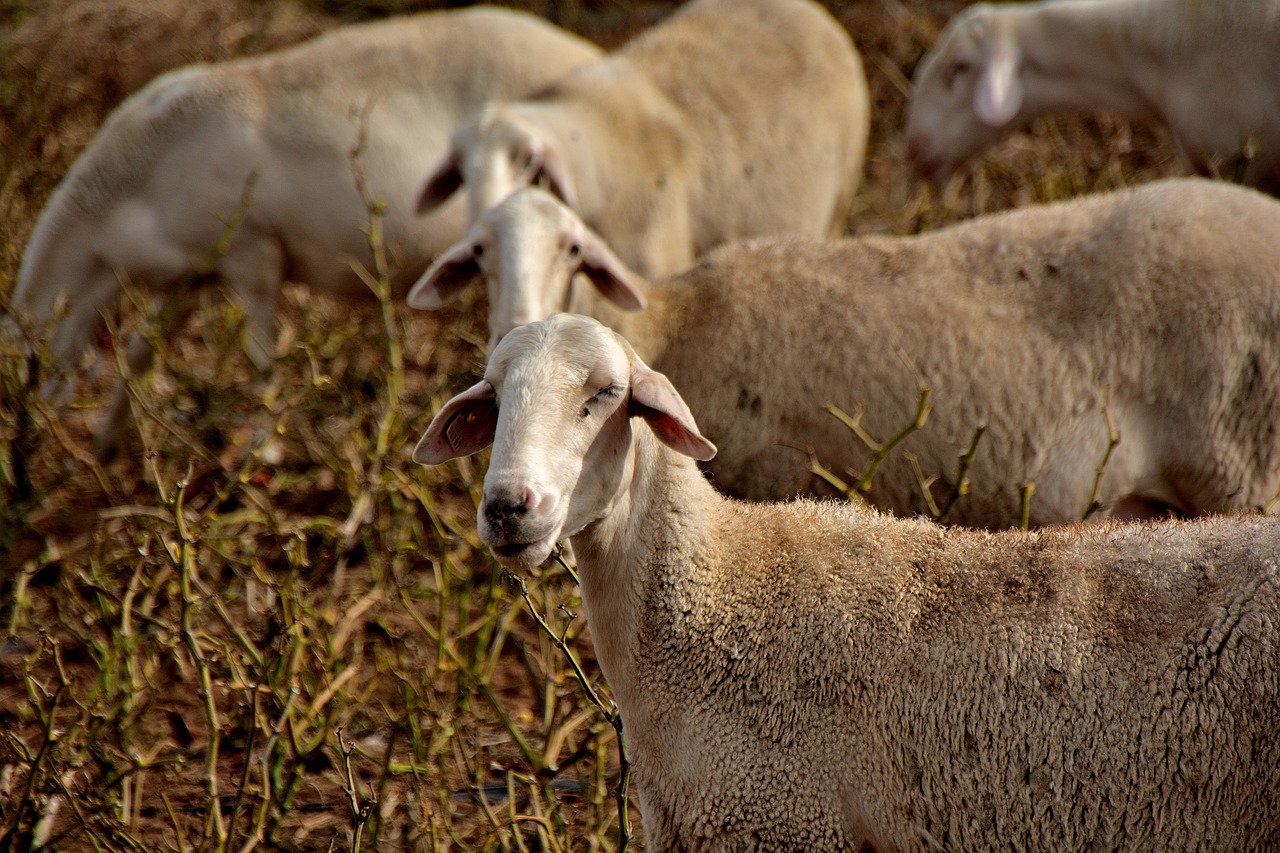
264 626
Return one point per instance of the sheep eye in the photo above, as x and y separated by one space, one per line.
575 252
477 251
605 393
959 68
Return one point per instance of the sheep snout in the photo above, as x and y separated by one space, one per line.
924 163
519 523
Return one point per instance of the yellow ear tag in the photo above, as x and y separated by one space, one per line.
452 432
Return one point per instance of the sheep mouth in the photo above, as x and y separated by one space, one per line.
523 554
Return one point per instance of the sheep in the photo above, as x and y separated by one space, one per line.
817 676
1209 71
731 119
1153 312
267 150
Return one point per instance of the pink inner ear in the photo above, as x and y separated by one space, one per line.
465 425
611 277
452 271
440 185
656 400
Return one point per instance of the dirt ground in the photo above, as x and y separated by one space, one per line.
264 627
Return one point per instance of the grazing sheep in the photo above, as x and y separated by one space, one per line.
811 676
1208 70
1157 306
731 119
149 200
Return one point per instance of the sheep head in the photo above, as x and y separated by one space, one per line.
528 251
967 92
495 152
556 402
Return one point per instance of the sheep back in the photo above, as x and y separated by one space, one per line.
150 195
775 102
1159 305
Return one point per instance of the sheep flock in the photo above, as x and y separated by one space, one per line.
690 425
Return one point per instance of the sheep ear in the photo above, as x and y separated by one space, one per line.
465 424
615 281
999 94
556 176
452 271
655 399
441 185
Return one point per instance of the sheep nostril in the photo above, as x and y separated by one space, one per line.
914 149
510 505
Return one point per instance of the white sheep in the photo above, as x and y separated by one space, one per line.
1208 70
1157 307
816 676
171 170
731 119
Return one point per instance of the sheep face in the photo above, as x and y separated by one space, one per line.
967 93
529 250
556 402
495 153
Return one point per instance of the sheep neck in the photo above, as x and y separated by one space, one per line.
658 519
1059 75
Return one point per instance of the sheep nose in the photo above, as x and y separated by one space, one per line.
915 148
508 504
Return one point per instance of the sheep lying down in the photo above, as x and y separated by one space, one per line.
818 676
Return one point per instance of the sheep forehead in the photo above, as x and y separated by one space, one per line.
532 210
562 356
966 33
501 124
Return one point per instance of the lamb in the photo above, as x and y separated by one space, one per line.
1153 311
1209 71
816 676
731 119
275 142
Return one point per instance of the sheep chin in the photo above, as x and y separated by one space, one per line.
523 555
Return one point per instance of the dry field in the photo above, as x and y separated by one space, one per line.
263 626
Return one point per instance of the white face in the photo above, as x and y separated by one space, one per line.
561 411
505 156
528 251
534 250
943 126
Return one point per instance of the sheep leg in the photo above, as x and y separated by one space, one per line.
69 335
253 274
139 354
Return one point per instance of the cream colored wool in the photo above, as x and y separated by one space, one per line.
730 119
815 676
149 200
1159 306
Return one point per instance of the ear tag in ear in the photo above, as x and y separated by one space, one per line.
453 432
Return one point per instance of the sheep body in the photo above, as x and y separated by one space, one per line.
1157 307
1205 69
267 148
818 676
731 119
